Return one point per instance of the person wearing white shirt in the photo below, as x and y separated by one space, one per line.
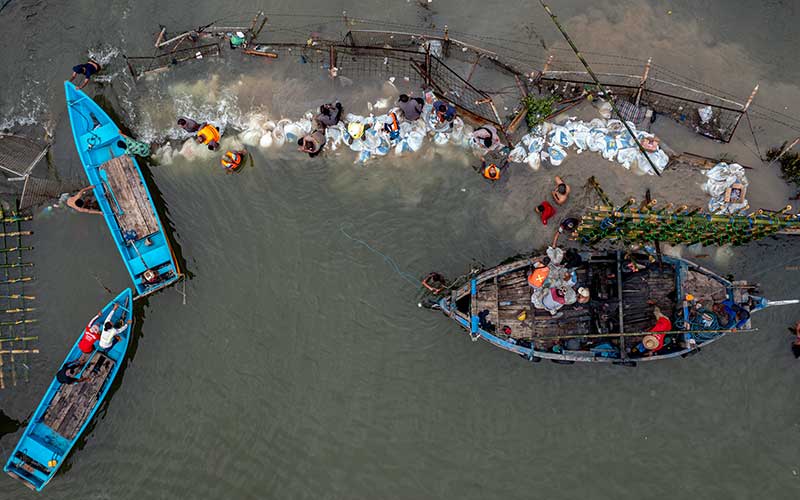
110 333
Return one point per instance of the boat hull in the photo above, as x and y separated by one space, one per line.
541 336
99 143
43 446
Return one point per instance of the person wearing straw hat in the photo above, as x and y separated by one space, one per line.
584 296
654 341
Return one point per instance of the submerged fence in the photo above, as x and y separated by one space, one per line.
486 86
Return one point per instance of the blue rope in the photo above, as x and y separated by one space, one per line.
406 276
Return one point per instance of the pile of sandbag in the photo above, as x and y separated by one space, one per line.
364 135
727 185
550 141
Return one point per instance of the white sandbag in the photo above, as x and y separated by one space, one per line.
624 140
614 126
278 133
441 138
333 137
556 154
580 137
265 141
363 156
251 136
534 160
659 159
627 156
536 144
596 140
706 114
561 137
597 123
610 147
518 154
723 176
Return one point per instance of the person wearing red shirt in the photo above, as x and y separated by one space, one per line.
654 341
91 334
545 211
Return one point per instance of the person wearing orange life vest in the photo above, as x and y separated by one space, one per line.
208 135
491 171
232 160
393 126
540 273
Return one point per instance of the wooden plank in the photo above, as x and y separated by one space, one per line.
72 403
130 193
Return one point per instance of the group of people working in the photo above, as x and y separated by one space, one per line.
70 373
209 135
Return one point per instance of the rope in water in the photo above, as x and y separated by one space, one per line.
406 276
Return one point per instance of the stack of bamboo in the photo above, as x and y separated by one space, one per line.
646 222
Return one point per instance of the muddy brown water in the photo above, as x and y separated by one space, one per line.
300 365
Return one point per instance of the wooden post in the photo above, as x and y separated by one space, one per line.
427 66
446 44
744 110
161 35
644 79
544 70
332 62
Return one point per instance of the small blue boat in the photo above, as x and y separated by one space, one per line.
613 321
122 194
66 409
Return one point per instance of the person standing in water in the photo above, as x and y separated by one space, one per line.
87 70
312 143
84 201
561 192
329 115
410 106
188 124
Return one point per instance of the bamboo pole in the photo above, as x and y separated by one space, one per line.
19 351
744 110
18 296
18 322
643 80
19 339
640 334
600 86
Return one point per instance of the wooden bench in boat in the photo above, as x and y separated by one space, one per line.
128 197
72 403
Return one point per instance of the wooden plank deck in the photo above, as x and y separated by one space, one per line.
72 403
128 190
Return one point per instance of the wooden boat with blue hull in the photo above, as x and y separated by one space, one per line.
496 305
66 409
122 194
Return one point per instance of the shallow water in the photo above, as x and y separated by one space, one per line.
300 365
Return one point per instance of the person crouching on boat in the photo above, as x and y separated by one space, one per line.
87 70
65 374
91 334
312 143
540 273
208 135
84 201
653 342
110 335
232 160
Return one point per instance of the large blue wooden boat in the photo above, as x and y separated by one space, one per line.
66 409
498 305
122 194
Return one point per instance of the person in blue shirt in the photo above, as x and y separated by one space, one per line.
87 70
444 112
